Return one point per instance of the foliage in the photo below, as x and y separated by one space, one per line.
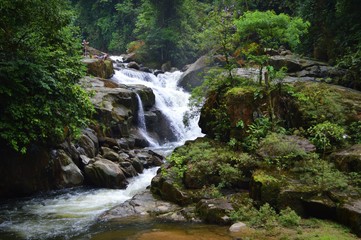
321 175
265 217
270 30
318 103
326 135
39 68
280 151
258 130
209 163
289 218
354 131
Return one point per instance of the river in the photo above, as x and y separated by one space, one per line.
72 213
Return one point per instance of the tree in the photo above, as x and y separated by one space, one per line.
39 68
258 31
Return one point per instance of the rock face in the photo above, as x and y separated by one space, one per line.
99 68
40 169
193 77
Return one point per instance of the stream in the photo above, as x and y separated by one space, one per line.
72 213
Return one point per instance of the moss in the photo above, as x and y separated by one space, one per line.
239 91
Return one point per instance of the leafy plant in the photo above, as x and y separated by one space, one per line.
289 218
326 135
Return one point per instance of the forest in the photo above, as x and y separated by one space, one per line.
37 38
269 132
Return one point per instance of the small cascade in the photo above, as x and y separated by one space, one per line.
171 100
142 125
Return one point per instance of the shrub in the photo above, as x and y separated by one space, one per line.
326 135
289 218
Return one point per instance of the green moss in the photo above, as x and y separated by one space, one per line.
239 91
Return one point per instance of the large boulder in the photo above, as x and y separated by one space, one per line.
194 75
105 173
99 68
216 211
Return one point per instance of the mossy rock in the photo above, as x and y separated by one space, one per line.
215 211
348 160
265 187
99 68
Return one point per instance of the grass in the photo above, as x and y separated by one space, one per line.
310 229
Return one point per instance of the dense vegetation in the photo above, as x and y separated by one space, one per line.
39 68
180 30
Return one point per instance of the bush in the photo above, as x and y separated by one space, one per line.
326 135
280 151
289 218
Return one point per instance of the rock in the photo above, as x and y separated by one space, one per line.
137 165
128 169
145 69
237 227
133 65
157 72
105 173
167 190
108 142
109 154
92 135
99 68
71 174
348 160
143 204
193 77
84 159
71 150
350 215
215 211
88 146
146 95
293 62
166 67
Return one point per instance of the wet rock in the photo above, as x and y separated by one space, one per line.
108 142
157 72
215 211
137 165
110 154
133 65
143 204
128 169
105 173
71 150
166 67
84 159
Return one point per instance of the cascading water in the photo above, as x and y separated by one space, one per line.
142 125
62 215
171 100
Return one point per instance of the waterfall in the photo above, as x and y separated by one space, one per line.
65 214
142 125
171 100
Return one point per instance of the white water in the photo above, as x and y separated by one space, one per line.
62 215
65 214
142 127
171 100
